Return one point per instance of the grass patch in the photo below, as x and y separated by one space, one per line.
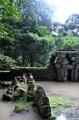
18 108
21 104
53 117
23 101
58 101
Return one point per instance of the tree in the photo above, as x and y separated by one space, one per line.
9 10
42 31
38 11
44 13
70 42
6 62
73 19
32 48
26 40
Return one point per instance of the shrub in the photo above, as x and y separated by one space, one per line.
6 62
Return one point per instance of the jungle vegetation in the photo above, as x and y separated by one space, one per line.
25 34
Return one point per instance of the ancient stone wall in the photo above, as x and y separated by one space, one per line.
63 66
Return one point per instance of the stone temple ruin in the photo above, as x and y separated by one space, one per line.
65 65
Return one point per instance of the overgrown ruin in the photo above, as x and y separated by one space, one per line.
63 66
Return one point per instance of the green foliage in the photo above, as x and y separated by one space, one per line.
21 104
65 62
70 42
23 101
3 32
25 33
58 101
15 96
6 62
42 30
9 11
21 36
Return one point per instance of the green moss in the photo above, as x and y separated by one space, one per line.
18 108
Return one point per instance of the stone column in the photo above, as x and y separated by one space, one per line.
76 73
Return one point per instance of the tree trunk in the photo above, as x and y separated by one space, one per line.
31 61
23 58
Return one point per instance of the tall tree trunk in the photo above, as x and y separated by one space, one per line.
31 61
23 57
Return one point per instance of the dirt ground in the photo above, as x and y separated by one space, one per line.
70 90
6 113
67 89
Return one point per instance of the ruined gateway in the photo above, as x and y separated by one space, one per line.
65 65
